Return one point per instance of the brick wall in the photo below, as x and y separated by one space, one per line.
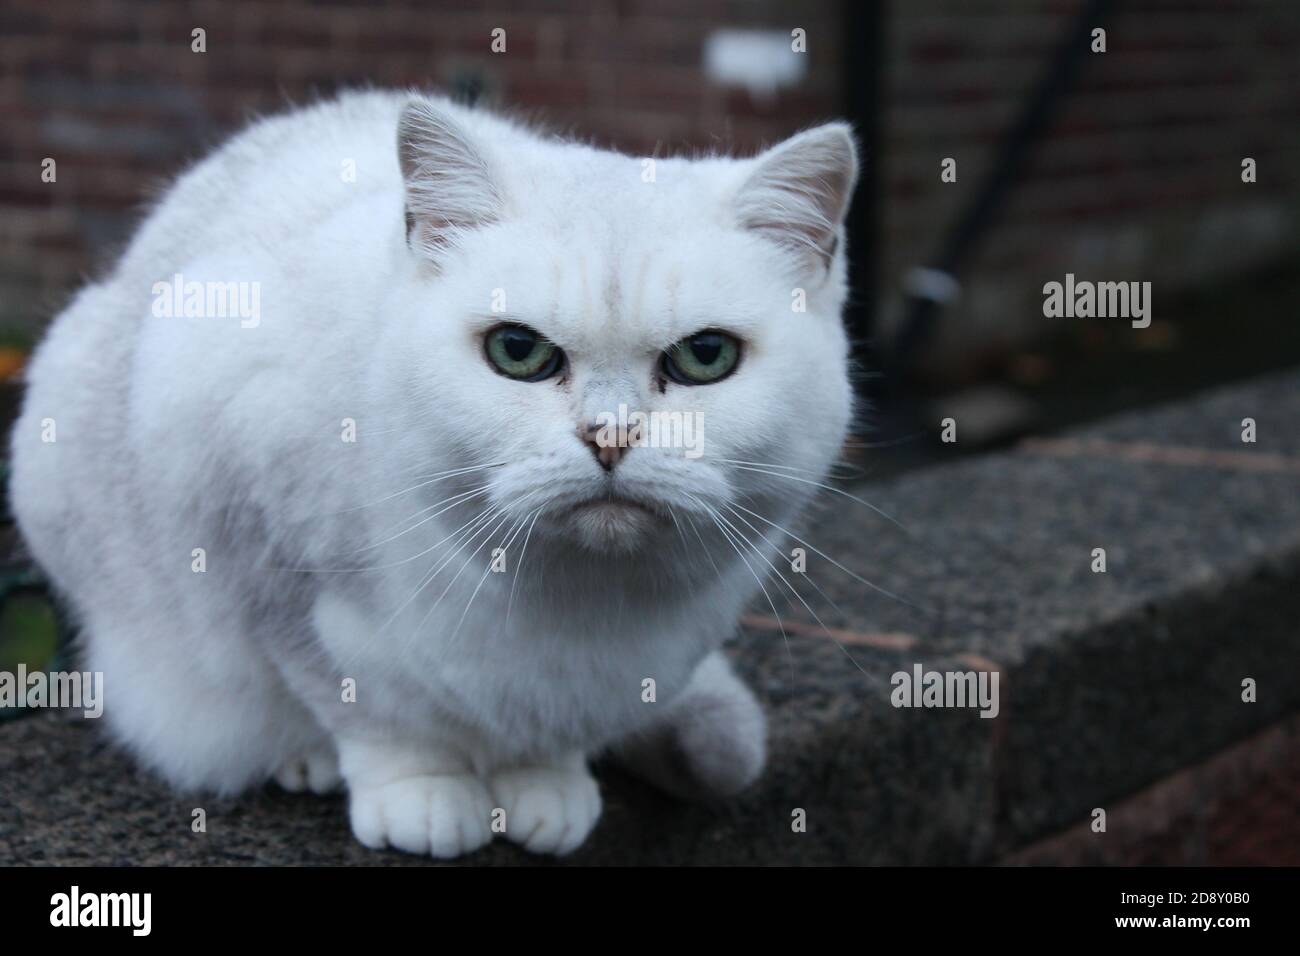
114 93
1139 179
1139 176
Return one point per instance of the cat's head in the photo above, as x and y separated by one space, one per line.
630 343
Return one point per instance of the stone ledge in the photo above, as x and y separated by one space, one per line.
1109 682
1239 808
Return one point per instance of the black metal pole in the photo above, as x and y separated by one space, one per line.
863 56
979 215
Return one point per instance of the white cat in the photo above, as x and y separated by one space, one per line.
369 536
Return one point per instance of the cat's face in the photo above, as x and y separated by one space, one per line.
633 355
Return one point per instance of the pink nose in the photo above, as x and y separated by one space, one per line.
608 444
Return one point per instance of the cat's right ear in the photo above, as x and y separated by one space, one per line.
798 193
449 187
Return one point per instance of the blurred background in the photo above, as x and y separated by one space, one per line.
1122 165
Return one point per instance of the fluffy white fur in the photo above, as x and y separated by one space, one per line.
332 564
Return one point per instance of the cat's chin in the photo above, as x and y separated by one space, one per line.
617 526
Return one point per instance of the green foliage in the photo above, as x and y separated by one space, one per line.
28 632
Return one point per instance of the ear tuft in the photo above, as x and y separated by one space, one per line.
449 187
800 190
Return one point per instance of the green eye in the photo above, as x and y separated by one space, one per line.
518 352
702 358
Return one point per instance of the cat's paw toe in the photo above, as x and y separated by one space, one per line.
547 809
317 772
444 815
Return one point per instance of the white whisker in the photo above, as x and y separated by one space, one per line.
807 577
456 499
479 523
823 485
519 565
854 470
390 565
781 624
450 584
795 592
432 480
514 532
857 577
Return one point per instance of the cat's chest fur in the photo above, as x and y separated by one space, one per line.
545 674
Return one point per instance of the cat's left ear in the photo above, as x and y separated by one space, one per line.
449 186
799 192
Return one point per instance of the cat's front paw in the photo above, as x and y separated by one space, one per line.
442 815
547 809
